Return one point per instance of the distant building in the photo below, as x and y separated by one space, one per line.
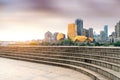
97 38
112 37
106 32
90 32
72 33
48 36
79 24
102 36
85 32
95 35
60 36
55 36
83 39
117 32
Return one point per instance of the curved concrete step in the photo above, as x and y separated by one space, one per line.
113 52
105 58
113 66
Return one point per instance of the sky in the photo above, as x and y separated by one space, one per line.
22 20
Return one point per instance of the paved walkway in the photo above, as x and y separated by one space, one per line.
21 70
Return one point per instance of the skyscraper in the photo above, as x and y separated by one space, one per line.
112 37
117 30
72 33
79 24
90 32
106 30
102 36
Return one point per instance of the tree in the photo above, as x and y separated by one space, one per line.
89 44
117 43
82 44
45 43
67 42
106 44
97 44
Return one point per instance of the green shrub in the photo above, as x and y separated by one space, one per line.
117 43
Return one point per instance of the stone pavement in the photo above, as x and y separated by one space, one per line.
21 70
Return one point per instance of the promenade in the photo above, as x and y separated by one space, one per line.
22 70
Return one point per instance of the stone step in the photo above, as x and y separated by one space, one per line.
113 66
113 52
104 58
101 54
109 65
95 54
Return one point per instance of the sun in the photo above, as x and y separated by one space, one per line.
11 36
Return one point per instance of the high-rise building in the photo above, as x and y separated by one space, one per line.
72 33
106 30
112 37
79 24
102 36
90 32
117 32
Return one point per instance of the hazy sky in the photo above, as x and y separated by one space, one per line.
30 19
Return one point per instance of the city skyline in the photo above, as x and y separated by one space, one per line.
30 19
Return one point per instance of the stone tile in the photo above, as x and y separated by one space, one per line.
21 70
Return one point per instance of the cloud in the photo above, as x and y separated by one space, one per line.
54 15
70 8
